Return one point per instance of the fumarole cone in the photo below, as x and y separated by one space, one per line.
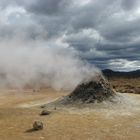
91 90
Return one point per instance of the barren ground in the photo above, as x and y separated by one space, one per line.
19 109
126 85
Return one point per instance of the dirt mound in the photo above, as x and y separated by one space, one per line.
95 89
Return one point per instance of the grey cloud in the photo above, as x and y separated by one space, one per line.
120 29
48 7
129 4
116 26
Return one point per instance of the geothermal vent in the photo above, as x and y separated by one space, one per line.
96 89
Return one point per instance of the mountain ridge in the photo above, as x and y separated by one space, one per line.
131 74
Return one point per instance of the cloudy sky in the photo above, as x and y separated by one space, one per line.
103 32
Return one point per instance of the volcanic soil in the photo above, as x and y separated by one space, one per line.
105 121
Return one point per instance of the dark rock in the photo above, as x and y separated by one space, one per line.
45 112
37 125
43 106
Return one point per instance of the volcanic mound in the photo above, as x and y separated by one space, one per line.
96 89
91 90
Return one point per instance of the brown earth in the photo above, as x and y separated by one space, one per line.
126 85
124 82
20 108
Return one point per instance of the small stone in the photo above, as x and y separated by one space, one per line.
45 112
43 106
37 125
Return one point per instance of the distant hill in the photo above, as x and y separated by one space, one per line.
110 74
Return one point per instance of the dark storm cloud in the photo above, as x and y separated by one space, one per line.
49 7
100 31
121 30
129 4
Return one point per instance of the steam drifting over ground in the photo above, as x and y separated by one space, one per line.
37 64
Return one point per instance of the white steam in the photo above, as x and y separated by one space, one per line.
40 64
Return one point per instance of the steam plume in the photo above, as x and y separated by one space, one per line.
40 64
